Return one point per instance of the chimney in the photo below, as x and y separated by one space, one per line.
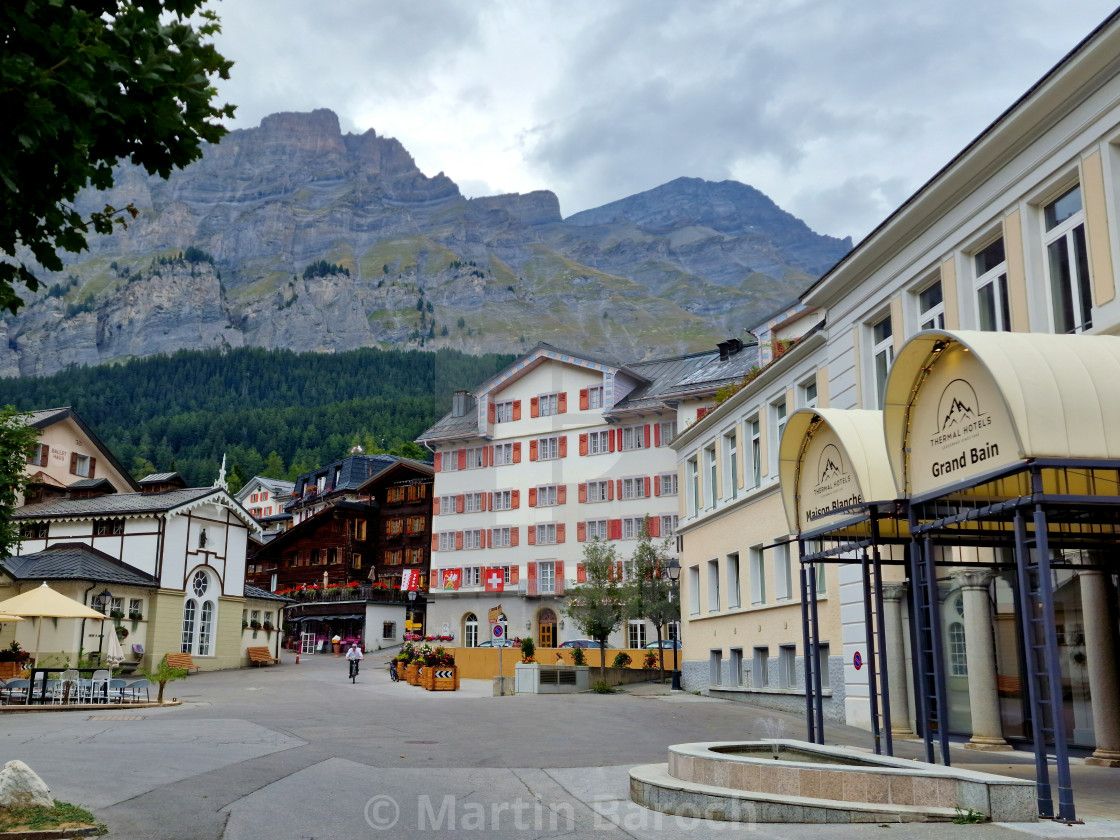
461 403
729 348
724 352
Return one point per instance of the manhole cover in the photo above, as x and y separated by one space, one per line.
115 717
421 742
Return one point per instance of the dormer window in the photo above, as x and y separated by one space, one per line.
108 527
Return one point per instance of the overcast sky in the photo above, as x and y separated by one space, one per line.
836 109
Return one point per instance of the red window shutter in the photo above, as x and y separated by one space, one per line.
657 434
561 534
438 461
581 573
517 409
488 501
486 538
657 485
73 463
618 571
514 539
460 503
614 529
584 402
490 410
489 456
582 493
531 589
563 446
559 575
532 535
647 436
534 407
647 493
435 506
610 439
583 444
517 452
619 481
515 499
700 412
532 450
562 494
462 459
435 542
655 526
532 497
562 403
458 540
610 490
581 536
618 433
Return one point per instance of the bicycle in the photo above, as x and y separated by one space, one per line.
354 670
393 671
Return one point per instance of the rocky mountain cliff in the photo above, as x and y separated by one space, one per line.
219 257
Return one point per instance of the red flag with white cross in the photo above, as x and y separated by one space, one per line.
495 580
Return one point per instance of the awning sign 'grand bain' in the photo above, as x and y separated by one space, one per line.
827 482
959 427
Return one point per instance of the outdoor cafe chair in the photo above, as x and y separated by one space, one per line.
15 690
69 687
98 686
117 691
134 688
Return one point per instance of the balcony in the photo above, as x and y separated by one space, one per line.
362 592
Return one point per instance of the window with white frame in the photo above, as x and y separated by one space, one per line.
882 355
760 669
668 524
1067 263
548 404
781 414
711 467
734 598
731 464
450 461
546 533
694 590
931 307
787 666
448 504
713 586
81 465
736 669
502 499
755 427
632 527
446 540
476 457
598 442
993 307
499 538
547 495
597 491
472 576
472 503
546 577
667 483
667 431
783 572
503 412
636 634
958 651
596 529
135 608
758 576
633 488
595 397
503 453
548 448
693 486
472 538
809 393
633 437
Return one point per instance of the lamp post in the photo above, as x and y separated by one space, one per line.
411 609
104 600
673 570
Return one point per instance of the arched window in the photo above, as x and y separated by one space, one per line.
470 630
205 628
958 653
188 625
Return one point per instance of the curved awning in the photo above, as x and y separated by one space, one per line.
964 405
832 460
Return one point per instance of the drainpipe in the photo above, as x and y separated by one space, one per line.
82 638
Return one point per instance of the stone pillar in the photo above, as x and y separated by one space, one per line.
983 693
893 593
1104 682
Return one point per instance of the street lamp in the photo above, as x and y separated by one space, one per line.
412 609
673 570
104 600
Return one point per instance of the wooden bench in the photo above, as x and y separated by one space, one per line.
182 661
261 656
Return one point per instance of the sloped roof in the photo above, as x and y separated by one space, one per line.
41 418
124 504
163 478
274 485
75 561
259 594
93 484
667 375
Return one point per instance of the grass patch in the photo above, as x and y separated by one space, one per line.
62 815
602 687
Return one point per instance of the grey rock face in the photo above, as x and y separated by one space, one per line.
21 787
670 270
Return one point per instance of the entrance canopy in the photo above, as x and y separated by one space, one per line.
834 469
965 407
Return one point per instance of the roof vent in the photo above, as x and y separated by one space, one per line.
461 403
729 348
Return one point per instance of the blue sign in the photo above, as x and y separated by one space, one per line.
857 660
498 631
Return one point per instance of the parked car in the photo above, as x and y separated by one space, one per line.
580 643
496 643
666 644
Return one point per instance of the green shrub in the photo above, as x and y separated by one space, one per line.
602 687
622 660
577 656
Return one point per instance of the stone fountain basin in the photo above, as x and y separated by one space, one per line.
803 770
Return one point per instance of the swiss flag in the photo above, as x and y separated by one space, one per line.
495 580
410 580
452 578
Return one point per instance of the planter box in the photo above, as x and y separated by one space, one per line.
440 679
401 668
412 674
8 670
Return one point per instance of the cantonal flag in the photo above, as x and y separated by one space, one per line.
495 580
452 578
410 580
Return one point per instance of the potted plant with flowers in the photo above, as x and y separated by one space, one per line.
13 660
439 673
403 658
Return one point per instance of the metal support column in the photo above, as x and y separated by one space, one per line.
871 629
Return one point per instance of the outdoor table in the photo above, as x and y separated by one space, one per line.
35 672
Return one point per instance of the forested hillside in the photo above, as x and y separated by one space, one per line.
271 412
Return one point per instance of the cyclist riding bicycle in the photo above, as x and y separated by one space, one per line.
354 656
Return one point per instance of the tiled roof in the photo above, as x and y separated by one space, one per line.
356 470
121 503
663 374
75 561
92 484
448 426
42 418
161 478
275 485
719 372
263 594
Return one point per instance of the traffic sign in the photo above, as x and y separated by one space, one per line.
499 631
857 660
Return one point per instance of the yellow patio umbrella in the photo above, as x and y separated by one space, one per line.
5 618
44 602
